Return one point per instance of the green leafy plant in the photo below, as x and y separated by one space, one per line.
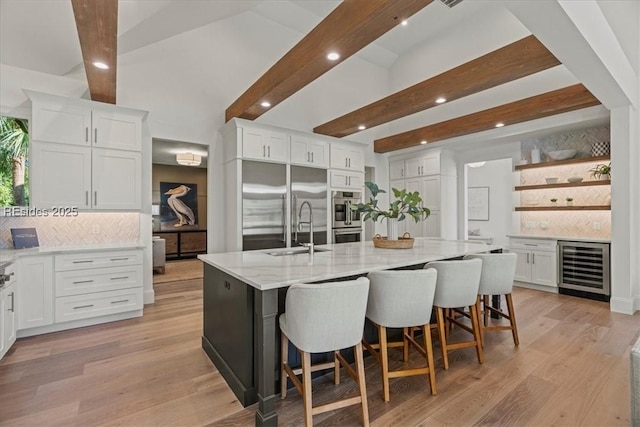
601 170
554 200
406 204
569 199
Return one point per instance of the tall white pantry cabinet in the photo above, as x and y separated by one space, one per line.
84 154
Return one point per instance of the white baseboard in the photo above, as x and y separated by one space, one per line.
149 296
78 323
624 305
552 289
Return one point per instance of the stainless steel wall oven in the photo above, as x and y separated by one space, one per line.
347 224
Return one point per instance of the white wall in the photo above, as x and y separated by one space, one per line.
496 175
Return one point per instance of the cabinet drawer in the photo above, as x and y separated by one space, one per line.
78 307
76 282
97 260
533 244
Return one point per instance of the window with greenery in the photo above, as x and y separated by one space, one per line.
14 165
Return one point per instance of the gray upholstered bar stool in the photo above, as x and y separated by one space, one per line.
402 299
320 318
457 286
498 271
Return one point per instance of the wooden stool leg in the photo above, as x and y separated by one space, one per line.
486 310
284 356
336 368
306 388
512 316
384 362
480 325
405 345
361 384
476 333
443 339
428 346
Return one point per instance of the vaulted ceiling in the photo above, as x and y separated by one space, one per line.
492 69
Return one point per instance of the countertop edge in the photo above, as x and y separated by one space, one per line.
569 238
11 255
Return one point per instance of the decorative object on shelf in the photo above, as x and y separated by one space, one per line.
478 200
24 238
551 180
574 179
601 171
569 201
602 148
554 202
406 204
535 155
561 154
404 242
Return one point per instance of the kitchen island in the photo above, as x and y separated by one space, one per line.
244 293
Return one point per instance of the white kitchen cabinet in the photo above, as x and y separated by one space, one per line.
422 166
309 152
35 293
81 122
537 261
347 180
120 190
347 157
71 176
8 319
432 225
396 170
260 144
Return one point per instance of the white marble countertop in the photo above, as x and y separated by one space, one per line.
569 238
10 255
264 271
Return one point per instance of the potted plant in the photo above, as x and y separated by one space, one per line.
554 201
406 204
569 201
601 171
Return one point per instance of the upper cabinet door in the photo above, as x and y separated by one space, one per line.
116 130
344 157
396 170
62 123
259 144
116 179
308 152
60 175
277 147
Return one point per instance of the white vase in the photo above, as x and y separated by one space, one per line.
392 228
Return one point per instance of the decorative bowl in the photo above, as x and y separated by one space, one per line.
561 154
575 179
551 180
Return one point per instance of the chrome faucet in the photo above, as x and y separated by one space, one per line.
310 223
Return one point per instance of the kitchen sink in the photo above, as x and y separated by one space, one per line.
295 251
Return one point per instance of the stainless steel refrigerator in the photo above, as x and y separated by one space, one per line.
267 196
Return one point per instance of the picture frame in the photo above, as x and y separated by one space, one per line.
478 203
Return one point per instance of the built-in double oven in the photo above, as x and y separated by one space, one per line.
347 225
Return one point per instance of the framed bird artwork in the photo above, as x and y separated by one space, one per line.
178 206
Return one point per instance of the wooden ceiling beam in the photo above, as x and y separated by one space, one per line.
351 26
547 104
97 24
516 60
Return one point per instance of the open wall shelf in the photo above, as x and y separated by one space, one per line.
564 162
562 184
563 208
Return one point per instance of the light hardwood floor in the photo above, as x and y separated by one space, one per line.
572 368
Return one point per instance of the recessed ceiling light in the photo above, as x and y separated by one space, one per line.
423 142
404 22
499 124
333 56
101 65
265 104
441 100
362 127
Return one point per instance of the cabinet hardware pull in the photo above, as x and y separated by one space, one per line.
82 281
120 278
227 285
119 259
82 262
86 134
531 244
95 198
349 161
527 258
268 151
119 301
308 157
346 162
311 157
95 136
401 172
13 308
533 258
83 306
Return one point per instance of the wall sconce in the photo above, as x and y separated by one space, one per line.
188 159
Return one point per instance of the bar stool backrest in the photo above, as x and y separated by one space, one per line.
498 271
458 282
